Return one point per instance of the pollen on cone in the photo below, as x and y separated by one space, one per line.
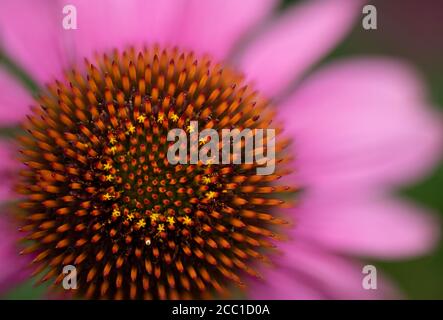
100 193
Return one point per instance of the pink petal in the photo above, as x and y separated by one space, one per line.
8 170
281 284
14 100
13 266
298 39
373 227
215 26
107 24
30 32
362 122
332 276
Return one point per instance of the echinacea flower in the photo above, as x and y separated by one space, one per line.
98 192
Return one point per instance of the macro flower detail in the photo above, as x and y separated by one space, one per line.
99 192
94 187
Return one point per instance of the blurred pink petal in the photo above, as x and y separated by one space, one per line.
31 32
214 26
325 275
8 170
107 24
362 122
366 227
280 284
298 39
14 99
13 266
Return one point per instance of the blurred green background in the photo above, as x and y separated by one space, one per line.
412 30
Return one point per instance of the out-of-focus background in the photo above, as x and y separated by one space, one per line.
410 29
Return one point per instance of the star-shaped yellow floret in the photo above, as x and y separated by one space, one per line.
202 141
161 227
190 129
112 140
141 118
113 149
141 223
107 196
109 177
154 217
171 221
131 129
206 180
160 118
209 163
130 216
187 221
174 117
107 167
211 195
116 213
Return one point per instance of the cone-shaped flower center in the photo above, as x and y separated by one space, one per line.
101 194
